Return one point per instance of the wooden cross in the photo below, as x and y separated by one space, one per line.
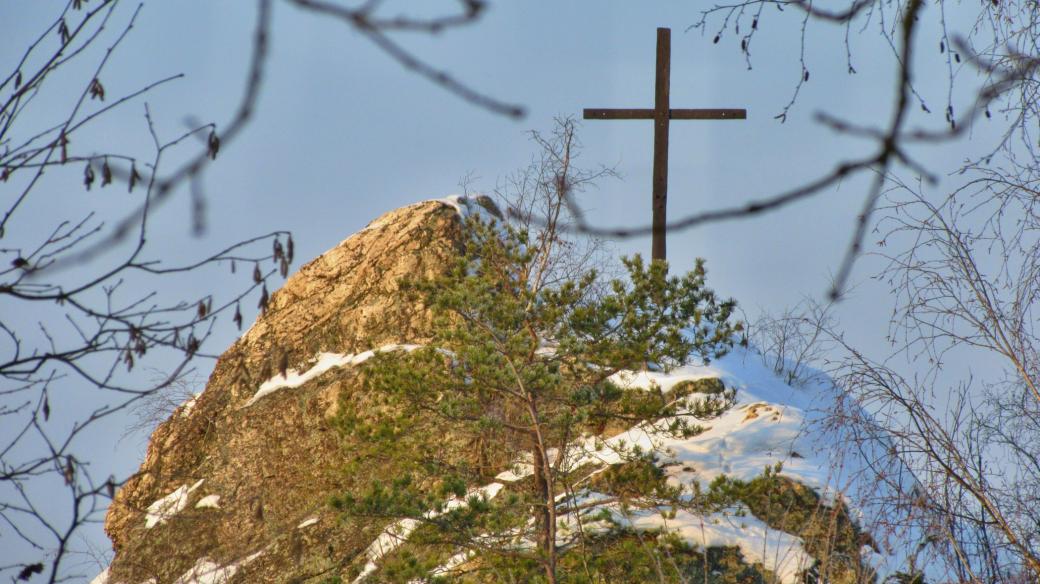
661 115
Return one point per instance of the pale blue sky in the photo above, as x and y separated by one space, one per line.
343 134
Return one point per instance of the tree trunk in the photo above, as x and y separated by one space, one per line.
546 513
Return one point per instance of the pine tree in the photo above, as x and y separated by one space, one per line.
518 374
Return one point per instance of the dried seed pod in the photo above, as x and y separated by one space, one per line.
88 176
264 297
97 91
213 144
106 173
69 471
134 177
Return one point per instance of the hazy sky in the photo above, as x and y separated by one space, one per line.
343 134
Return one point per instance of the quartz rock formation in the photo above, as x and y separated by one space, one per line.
274 463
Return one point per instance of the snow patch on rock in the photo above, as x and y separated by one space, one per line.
208 502
392 537
206 571
779 552
323 363
163 509
480 206
188 405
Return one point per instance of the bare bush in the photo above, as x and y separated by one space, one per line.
83 303
157 407
967 290
539 199
795 343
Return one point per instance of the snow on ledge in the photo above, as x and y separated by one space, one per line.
324 362
206 571
163 509
189 405
470 206
397 533
208 502
779 552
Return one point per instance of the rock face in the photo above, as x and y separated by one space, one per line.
264 472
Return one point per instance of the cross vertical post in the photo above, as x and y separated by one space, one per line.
662 114
661 106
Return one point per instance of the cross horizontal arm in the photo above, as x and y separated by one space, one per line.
675 114
708 114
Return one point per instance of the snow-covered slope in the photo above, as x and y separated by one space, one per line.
775 425
771 425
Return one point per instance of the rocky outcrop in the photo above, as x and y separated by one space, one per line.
236 485
265 471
